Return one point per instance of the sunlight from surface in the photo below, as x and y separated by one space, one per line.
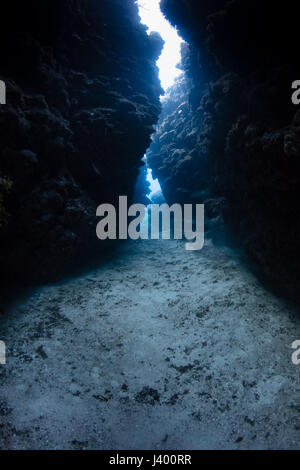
154 184
152 17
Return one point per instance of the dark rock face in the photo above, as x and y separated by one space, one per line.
230 135
82 99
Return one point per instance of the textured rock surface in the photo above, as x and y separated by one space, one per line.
230 135
82 98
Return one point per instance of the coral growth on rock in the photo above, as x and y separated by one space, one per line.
82 98
229 135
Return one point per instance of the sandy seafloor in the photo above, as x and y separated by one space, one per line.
158 348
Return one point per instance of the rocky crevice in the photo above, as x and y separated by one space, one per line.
82 98
229 135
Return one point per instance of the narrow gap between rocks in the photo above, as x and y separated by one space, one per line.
168 64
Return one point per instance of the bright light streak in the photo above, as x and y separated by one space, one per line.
152 17
154 184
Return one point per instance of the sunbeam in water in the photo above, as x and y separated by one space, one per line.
153 18
154 184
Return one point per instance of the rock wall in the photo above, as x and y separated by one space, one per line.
82 98
230 135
